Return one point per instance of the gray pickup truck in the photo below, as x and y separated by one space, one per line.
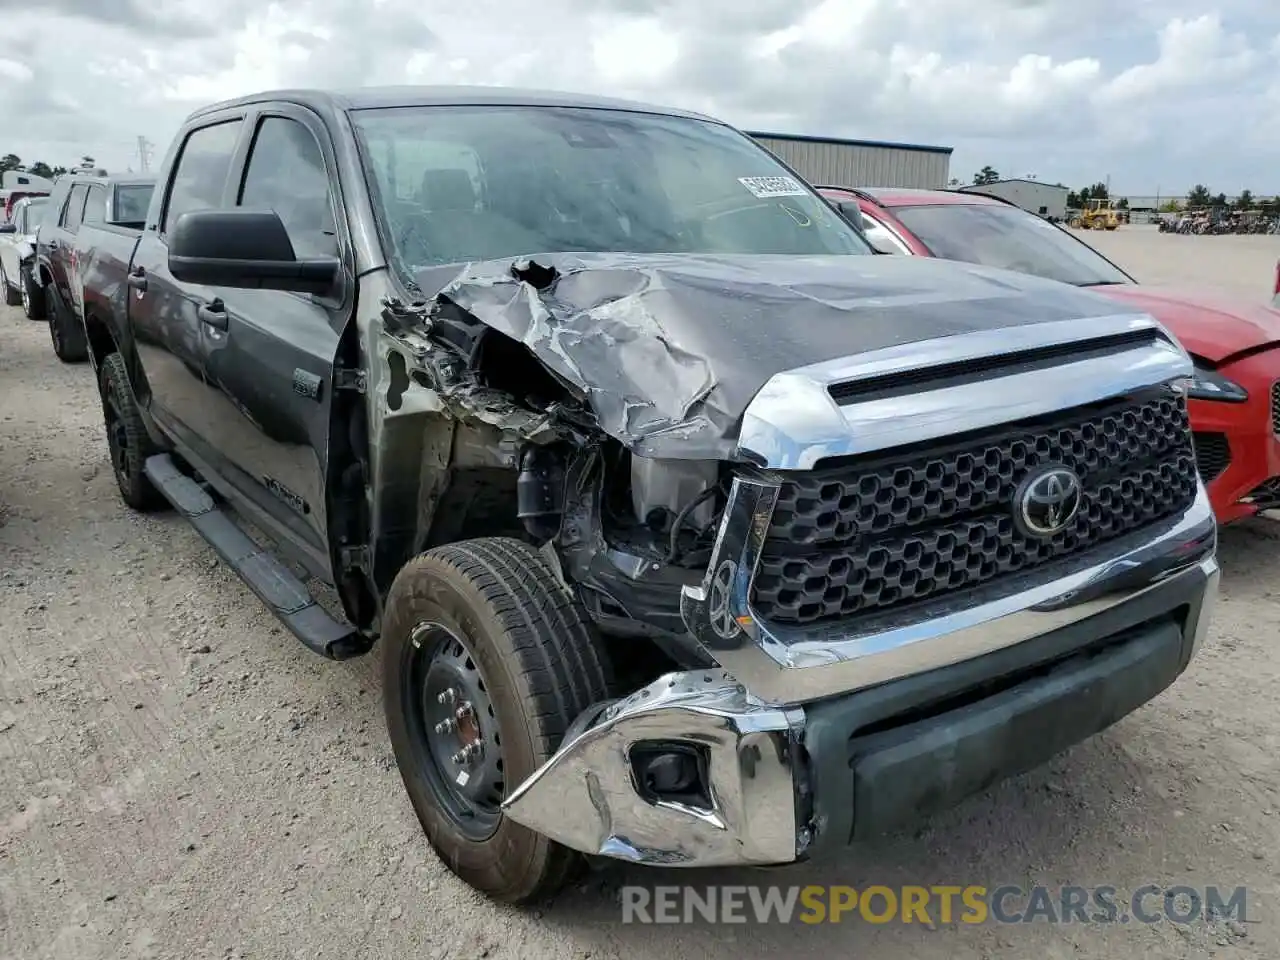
689 532
80 206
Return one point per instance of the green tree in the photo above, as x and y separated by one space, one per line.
1123 203
953 182
1073 201
10 161
40 169
1220 200
1098 191
1170 206
1198 196
1245 201
987 174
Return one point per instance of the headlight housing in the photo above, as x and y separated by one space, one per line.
1207 384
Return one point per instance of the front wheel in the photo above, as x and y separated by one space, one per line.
70 345
32 296
12 295
487 659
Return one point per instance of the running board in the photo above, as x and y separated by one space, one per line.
274 584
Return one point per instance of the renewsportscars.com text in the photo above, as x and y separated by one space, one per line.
972 904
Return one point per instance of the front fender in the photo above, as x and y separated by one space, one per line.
26 253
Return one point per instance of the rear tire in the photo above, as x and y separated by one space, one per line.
12 295
493 607
32 296
70 345
127 439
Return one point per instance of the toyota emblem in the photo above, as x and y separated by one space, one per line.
1047 500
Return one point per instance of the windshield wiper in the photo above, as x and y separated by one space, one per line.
1103 283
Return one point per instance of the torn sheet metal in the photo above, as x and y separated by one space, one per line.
668 350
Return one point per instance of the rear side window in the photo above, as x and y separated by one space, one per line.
202 168
73 211
95 207
132 202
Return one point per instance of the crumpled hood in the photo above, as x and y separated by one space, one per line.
1210 325
668 350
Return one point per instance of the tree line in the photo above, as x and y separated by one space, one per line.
11 161
1198 197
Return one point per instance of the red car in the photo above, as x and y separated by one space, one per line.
1235 397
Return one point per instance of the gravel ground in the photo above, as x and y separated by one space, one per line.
181 779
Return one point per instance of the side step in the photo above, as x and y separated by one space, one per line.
275 585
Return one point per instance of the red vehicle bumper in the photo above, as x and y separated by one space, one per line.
1236 443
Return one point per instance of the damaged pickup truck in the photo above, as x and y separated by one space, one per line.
691 532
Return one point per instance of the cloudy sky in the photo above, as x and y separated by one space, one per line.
1163 95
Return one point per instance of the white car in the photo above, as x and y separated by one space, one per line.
17 256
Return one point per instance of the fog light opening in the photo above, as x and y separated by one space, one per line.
672 773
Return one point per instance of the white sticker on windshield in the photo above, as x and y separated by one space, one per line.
763 187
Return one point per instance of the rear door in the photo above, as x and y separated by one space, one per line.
62 239
270 354
95 208
164 314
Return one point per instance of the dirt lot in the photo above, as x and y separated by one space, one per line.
179 779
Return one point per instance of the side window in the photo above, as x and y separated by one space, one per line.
201 173
95 206
74 210
286 174
21 220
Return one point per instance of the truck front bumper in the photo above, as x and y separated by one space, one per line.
898 725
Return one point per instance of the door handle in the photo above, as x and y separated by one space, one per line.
214 314
138 279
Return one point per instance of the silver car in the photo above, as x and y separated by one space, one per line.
17 255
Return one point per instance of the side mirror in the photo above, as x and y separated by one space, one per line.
8 228
244 248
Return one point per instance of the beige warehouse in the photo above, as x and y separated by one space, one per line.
827 161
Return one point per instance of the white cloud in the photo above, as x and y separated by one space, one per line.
1068 89
1193 53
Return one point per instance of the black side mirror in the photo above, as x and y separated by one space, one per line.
8 228
244 248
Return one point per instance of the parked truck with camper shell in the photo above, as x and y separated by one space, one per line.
689 533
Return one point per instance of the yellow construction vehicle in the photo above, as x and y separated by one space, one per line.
1097 215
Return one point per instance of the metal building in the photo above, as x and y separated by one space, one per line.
1046 199
826 161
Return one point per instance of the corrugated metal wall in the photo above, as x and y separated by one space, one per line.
859 165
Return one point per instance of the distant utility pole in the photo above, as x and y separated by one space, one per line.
144 154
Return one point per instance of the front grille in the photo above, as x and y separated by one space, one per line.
1275 407
931 519
1213 454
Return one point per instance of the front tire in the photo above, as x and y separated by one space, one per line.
69 342
32 296
483 633
12 295
127 437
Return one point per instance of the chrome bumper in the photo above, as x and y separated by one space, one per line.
763 791
586 796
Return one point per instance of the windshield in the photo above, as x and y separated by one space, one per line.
1009 238
456 184
132 201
